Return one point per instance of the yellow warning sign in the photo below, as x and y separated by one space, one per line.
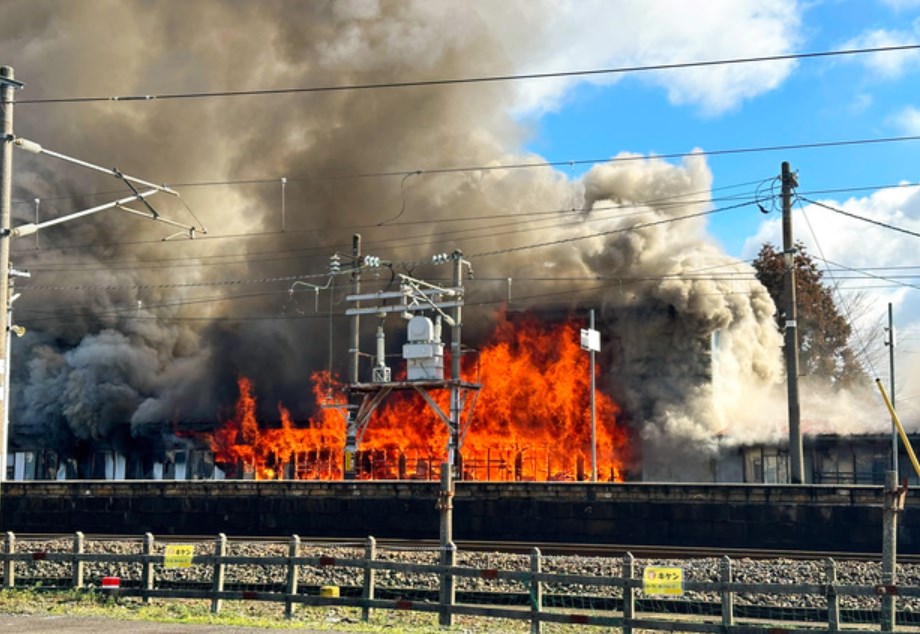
658 580
178 555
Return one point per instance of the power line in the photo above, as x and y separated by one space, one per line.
600 234
319 249
49 316
553 215
123 287
866 274
492 167
472 80
863 218
862 342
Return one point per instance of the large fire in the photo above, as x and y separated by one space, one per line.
532 421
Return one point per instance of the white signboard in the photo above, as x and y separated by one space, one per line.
590 340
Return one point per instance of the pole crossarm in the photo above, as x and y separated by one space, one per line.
36 148
32 227
130 181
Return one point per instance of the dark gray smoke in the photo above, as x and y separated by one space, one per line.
130 334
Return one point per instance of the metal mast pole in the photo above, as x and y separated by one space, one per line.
593 415
7 85
894 428
354 341
453 449
7 362
791 347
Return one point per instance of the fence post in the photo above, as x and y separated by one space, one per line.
728 597
9 574
448 550
220 551
370 576
536 592
629 593
833 601
292 576
147 572
77 566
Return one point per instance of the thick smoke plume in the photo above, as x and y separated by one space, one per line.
131 335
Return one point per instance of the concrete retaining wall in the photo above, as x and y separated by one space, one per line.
843 518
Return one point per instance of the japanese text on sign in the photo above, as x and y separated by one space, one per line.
178 556
657 580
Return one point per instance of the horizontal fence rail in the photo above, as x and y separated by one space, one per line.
533 588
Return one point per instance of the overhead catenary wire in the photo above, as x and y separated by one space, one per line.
471 80
222 260
130 312
380 244
600 234
493 166
559 217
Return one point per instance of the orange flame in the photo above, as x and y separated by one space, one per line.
531 421
243 445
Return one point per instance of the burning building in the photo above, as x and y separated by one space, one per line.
146 347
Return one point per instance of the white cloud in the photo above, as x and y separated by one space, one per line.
860 103
907 120
591 34
901 5
890 65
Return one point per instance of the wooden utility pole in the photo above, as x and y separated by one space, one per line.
791 348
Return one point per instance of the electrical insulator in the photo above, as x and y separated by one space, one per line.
439 258
371 261
334 264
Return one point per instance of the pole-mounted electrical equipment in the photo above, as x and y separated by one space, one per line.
426 307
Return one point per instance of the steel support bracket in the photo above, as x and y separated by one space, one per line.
444 502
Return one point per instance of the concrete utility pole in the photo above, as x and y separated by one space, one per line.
894 428
892 506
7 86
354 351
791 347
456 407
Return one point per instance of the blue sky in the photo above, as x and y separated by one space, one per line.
820 100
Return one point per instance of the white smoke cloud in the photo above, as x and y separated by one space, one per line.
868 266
680 289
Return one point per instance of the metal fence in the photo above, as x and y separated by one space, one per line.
716 595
